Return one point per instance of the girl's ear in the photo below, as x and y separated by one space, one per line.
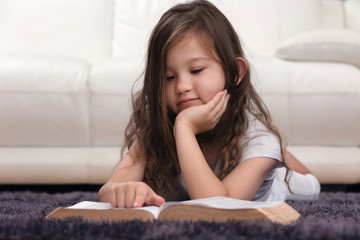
242 68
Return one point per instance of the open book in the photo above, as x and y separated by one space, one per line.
216 209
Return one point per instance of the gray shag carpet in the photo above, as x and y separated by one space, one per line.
334 215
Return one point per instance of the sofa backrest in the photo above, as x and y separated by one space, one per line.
261 24
254 20
81 28
96 30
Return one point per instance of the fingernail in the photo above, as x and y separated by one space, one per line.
136 204
225 91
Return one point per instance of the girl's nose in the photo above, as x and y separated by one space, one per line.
183 84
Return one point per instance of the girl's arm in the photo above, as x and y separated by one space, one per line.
243 182
294 164
125 187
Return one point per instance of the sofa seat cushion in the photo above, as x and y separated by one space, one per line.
110 100
312 103
43 101
325 104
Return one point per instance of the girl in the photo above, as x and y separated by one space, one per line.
198 128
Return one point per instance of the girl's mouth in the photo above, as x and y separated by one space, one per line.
186 101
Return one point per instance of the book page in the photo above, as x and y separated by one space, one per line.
91 205
224 203
101 206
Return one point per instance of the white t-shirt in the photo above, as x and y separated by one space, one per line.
258 142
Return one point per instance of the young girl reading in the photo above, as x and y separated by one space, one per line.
198 126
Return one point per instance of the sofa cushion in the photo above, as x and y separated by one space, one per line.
117 75
272 20
81 28
298 16
270 76
352 9
325 104
339 45
133 23
312 103
43 74
43 101
110 102
332 14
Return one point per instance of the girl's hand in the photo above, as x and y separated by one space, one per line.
133 195
205 117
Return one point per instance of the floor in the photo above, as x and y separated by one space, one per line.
95 187
51 188
340 188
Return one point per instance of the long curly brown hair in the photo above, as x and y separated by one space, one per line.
151 123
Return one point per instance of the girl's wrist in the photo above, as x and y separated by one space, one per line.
181 126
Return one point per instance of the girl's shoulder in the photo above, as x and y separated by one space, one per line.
259 141
256 127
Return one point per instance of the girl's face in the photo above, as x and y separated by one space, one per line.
194 76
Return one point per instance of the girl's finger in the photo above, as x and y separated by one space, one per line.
223 107
130 198
226 101
220 105
140 199
154 200
120 199
113 197
216 99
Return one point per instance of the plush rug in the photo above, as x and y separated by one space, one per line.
332 216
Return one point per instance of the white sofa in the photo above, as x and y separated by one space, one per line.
67 67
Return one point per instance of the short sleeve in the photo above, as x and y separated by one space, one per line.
260 142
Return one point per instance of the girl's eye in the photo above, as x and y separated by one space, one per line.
170 78
196 71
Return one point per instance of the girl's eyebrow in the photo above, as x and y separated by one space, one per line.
191 60
198 58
